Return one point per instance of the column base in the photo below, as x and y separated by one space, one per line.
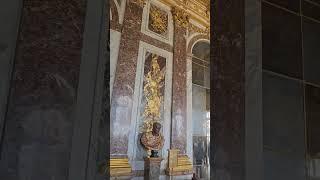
152 168
178 164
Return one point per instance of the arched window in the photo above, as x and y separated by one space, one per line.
201 107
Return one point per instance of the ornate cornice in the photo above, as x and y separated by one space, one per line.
194 28
198 10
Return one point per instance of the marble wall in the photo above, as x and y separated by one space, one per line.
39 123
227 82
137 38
290 88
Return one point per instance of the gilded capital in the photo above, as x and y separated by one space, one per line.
180 16
140 3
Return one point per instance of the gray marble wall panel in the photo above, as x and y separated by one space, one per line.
228 95
283 166
283 116
10 12
253 89
39 122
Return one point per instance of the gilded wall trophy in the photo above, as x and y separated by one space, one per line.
151 139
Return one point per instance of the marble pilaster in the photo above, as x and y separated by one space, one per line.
189 108
124 82
179 90
228 95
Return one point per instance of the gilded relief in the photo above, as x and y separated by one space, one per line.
152 104
158 20
153 93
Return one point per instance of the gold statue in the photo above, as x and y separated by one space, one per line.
153 141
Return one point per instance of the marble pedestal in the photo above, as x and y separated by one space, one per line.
152 168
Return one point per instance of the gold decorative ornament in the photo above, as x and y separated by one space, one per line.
181 17
152 88
158 20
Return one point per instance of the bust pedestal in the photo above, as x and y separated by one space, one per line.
152 168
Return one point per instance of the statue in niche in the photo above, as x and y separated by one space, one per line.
153 141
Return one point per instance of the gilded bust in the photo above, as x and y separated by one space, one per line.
153 141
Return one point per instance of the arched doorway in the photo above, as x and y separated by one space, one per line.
201 108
